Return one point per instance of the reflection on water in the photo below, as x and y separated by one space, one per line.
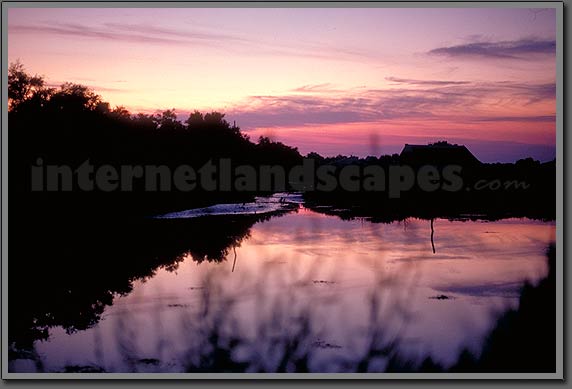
339 287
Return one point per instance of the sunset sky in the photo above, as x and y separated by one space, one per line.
336 81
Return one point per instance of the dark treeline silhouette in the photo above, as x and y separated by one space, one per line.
71 124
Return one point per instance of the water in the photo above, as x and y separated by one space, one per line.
352 280
261 205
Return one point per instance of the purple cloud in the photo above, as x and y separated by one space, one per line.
434 101
518 49
535 119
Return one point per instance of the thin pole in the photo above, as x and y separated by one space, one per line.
432 233
234 262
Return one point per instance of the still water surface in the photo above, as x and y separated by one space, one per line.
305 263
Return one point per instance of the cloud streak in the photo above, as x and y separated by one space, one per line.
523 49
425 82
456 101
124 33
151 34
315 88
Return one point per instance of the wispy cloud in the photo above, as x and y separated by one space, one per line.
148 29
314 88
424 82
231 43
124 33
517 49
528 118
533 93
465 101
94 87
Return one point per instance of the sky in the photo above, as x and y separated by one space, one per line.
336 81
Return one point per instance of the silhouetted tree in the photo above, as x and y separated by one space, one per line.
74 97
195 120
168 121
21 85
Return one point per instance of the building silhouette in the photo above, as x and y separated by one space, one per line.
438 154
